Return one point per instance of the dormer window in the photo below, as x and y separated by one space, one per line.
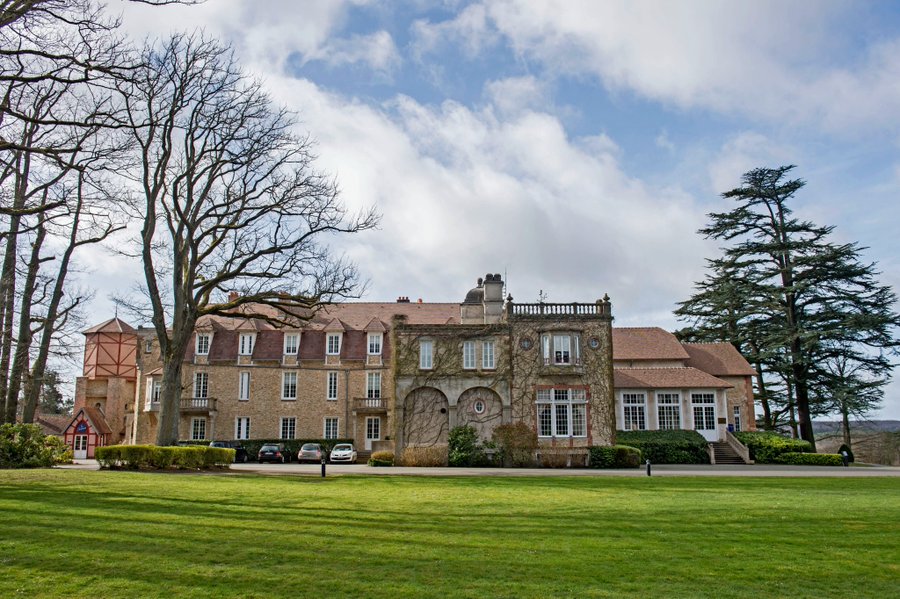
245 347
375 344
202 344
561 349
291 343
333 344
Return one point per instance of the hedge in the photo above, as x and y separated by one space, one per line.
615 456
292 445
810 459
382 458
765 447
151 457
26 446
667 447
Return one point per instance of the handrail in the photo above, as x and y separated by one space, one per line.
738 447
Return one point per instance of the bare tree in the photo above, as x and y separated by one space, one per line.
229 200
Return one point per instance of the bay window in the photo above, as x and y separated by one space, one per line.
561 349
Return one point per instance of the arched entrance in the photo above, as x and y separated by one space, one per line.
425 418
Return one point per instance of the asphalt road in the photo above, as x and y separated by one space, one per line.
765 470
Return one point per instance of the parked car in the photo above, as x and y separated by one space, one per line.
343 452
273 452
310 452
240 454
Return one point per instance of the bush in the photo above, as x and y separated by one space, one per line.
151 457
844 447
615 456
667 447
436 455
516 444
765 447
381 458
463 449
25 446
809 459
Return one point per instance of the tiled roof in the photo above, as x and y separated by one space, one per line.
95 417
113 325
646 343
718 359
665 378
52 424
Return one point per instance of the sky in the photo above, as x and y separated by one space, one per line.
575 147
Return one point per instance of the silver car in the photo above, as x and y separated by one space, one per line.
343 452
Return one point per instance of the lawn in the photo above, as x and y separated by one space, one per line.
122 534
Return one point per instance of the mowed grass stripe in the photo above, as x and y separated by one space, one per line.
121 534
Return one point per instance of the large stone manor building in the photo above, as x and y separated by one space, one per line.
392 375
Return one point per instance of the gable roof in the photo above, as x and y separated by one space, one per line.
718 359
665 378
94 417
646 343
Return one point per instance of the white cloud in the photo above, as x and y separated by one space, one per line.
469 30
743 152
768 60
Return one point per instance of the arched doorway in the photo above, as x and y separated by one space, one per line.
425 418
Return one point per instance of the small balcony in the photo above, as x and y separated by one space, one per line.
198 405
151 406
370 405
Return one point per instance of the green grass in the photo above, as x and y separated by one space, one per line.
119 534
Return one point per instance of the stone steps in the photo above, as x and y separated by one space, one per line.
724 454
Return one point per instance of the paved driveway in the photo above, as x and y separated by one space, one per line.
660 470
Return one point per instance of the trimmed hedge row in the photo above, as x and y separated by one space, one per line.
26 446
615 456
667 447
809 459
765 447
382 458
151 457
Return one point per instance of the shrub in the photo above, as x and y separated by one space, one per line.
381 458
554 459
615 456
667 447
463 448
809 459
151 457
516 443
436 455
765 447
25 446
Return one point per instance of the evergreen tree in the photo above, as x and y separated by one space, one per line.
793 301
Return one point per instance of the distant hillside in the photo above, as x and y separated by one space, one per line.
857 426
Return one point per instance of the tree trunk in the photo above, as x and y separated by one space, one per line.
23 344
845 422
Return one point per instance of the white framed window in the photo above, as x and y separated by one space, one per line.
288 385
243 386
333 344
704 405
561 349
332 393
668 410
198 429
468 355
487 355
375 340
155 389
562 412
373 385
737 419
634 411
201 385
331 428
242 427
245 344
148 346
288 428
202 344
291 344
426 354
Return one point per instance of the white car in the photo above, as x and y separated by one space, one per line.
343 452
